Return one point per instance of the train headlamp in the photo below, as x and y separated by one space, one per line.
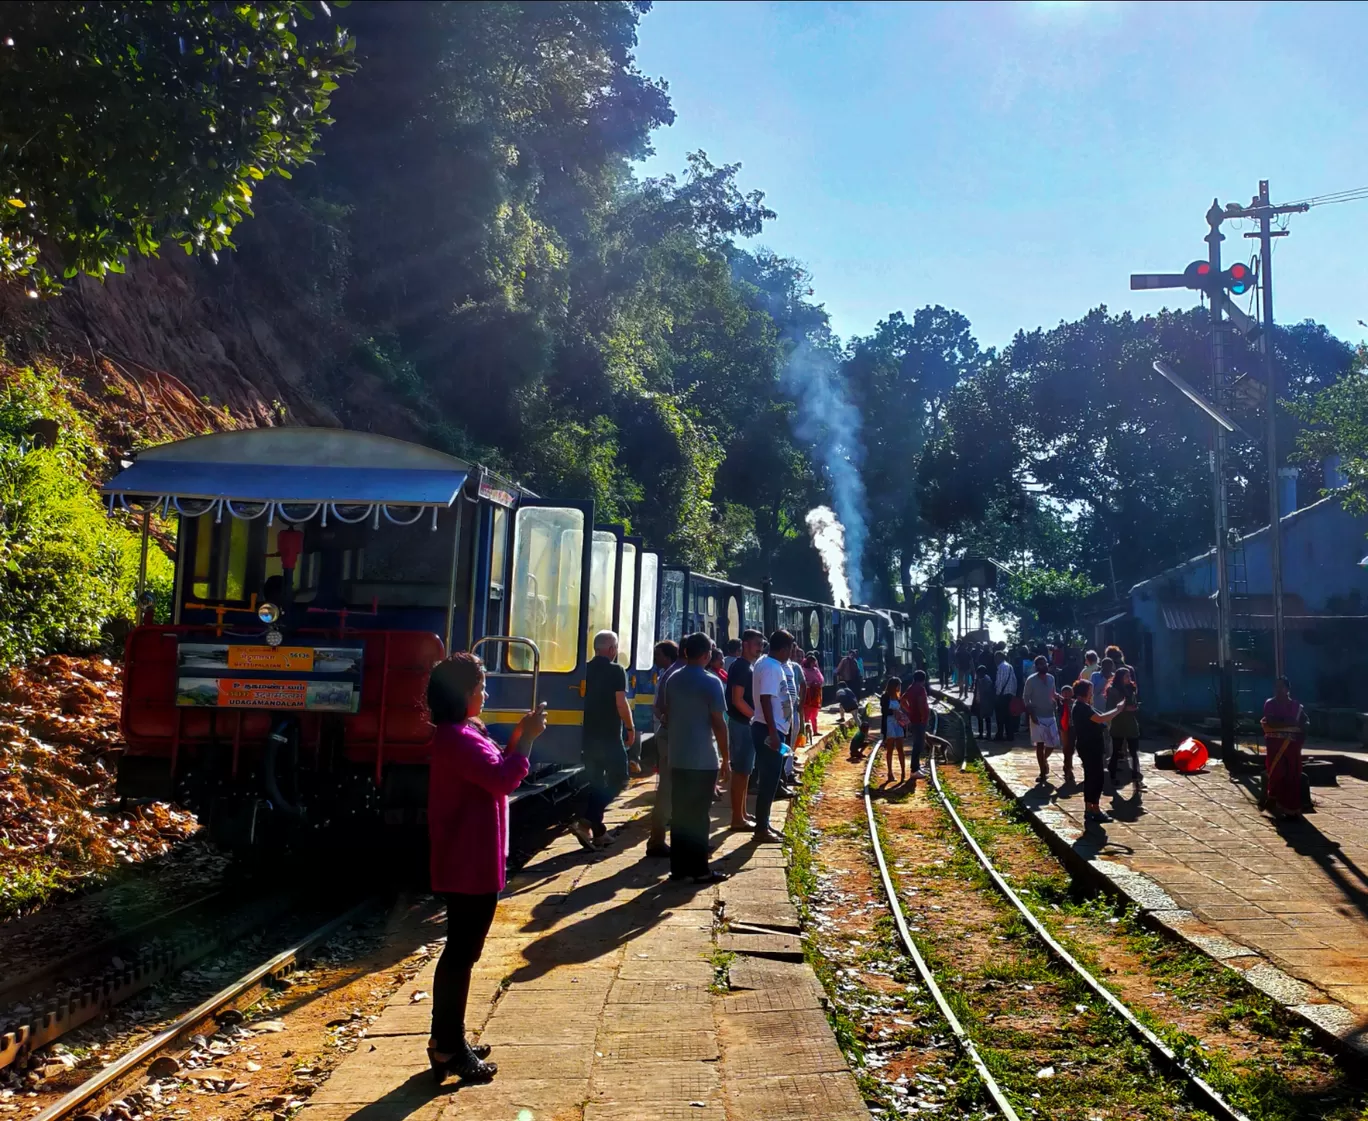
268 613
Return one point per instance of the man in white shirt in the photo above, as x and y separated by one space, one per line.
770 727
1004 687
1039 697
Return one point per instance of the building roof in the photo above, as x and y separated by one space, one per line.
1320 507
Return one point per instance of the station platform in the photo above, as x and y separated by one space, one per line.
1285 903
609 993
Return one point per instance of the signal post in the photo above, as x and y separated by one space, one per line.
1208 277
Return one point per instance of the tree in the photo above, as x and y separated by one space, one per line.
1337 424
901 378
123 126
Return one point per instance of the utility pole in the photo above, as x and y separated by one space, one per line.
1207 277
1225 666
1263 209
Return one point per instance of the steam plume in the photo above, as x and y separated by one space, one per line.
828 538
831 424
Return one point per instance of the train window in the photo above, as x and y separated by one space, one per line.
626 619
273 566
219 558
753 608
201 532
602 565
712 607
548 554
814 629
398 565
498 548
869 634
646 611
733 618
672 605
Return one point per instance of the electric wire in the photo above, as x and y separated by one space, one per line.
1351 195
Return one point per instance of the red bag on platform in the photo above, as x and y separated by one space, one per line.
1190 756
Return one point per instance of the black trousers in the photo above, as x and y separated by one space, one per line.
985 721
693 798
468 921
1002 711
1130 744
769 765
605 773
1094 765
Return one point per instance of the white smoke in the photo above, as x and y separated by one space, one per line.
831 425
828 538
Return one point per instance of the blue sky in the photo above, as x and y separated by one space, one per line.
1019 161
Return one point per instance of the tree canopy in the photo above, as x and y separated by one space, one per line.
123 126
472 234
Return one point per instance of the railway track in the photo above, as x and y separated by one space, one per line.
241 994
43 1005
1201 1092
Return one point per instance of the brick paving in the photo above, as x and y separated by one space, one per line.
594 994
1286 902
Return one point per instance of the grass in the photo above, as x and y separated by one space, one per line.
1296 1080
26 887
721 964
1016 1044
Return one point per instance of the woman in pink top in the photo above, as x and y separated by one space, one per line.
469 782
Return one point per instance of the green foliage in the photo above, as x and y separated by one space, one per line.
66 568
1048 597
1337 419
123 126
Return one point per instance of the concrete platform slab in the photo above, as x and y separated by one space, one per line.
666 1082
667 1046
595 992
797 1097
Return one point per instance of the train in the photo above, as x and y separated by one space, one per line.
321 573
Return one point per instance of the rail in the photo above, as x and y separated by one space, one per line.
98 985
238 992
1209 1095
928 978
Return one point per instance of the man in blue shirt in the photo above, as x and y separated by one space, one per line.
695 713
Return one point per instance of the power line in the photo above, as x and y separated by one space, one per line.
1352 195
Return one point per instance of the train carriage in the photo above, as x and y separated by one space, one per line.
320 574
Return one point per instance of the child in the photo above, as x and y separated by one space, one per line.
1065 740
861 738
890 707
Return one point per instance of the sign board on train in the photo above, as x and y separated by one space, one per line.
231 674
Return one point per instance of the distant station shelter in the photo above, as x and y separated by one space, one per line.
1169 633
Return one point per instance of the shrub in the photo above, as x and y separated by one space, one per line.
66 568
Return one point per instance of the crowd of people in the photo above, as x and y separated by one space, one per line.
731 719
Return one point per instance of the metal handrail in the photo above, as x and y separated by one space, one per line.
536 657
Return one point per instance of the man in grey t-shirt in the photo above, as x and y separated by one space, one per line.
1038 695
695 713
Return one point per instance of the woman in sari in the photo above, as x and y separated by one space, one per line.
1284 725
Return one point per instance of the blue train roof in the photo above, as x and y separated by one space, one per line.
297 467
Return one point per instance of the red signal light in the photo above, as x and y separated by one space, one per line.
1239 279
